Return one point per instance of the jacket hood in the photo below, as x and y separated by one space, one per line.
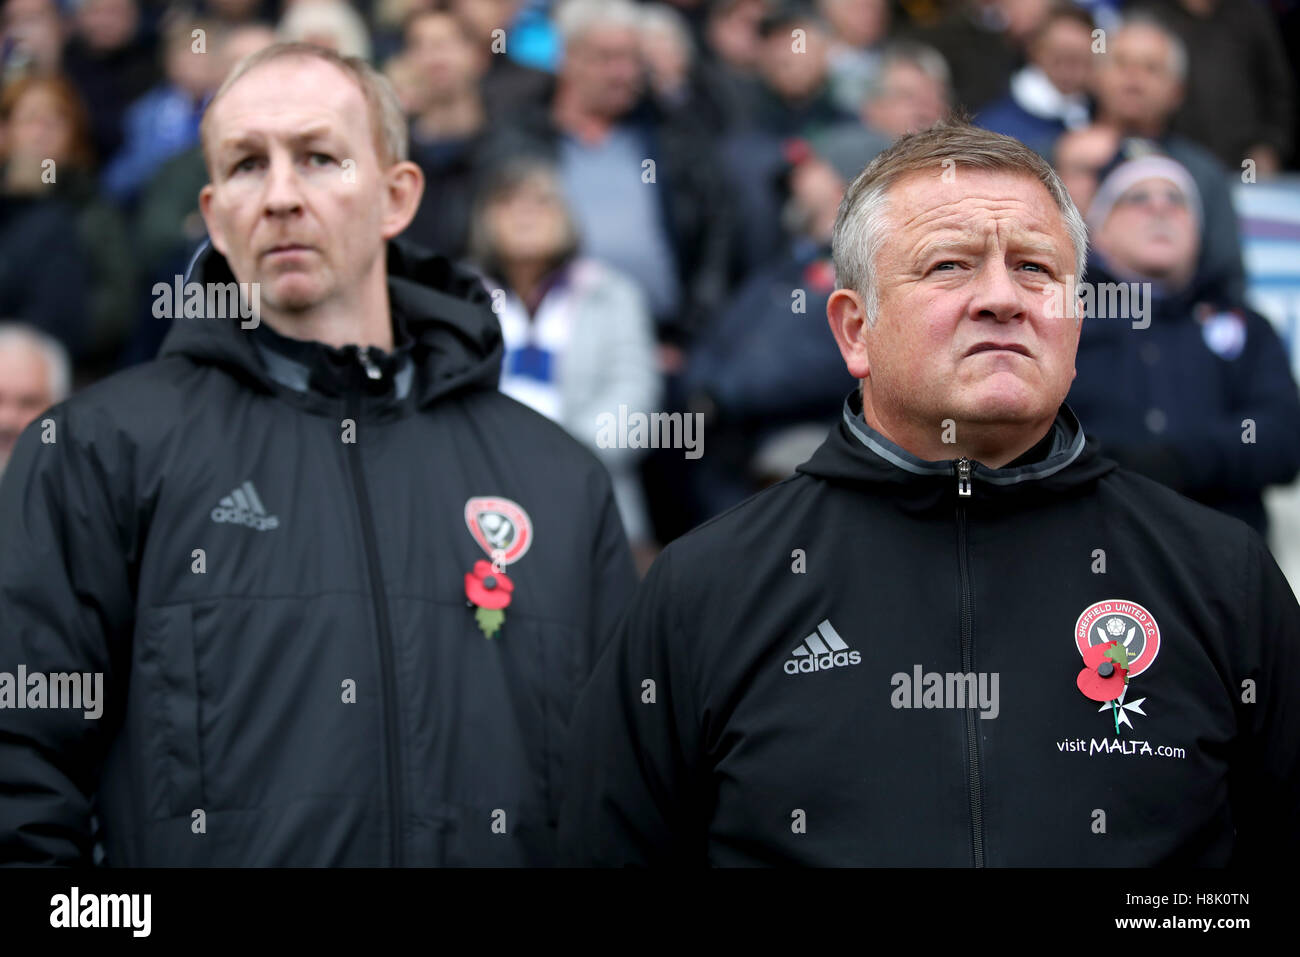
441 313
1064 461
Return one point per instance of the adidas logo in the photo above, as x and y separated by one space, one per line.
821 650
243 507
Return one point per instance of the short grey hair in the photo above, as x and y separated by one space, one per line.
20 334
910 53
861 226
576 17
1177 48
387 122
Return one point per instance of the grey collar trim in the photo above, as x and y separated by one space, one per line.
294 375
905 460
282 369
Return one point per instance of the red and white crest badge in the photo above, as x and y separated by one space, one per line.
501 527
1125 622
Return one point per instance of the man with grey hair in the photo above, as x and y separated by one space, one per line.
640 179
1139 84
958 630
34 375
341 611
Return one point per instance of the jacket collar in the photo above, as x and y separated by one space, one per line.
446 337
1064 460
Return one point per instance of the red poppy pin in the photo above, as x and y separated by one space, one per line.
489 591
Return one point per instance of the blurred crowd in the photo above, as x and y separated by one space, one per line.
649 190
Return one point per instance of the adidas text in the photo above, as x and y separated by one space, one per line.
820 651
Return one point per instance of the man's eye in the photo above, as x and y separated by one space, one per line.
321 159
943 265
1038 266
244 165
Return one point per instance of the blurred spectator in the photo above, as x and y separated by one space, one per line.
65 261
451 139
1139 85
235 13
332 24
1203 398
1239 101
984 42
911 91
1080 156
31 39
641 182
112 61
168 226
728 73
858 32
1050 95
669 56
908 93
165 121
510 89
34 375
579 340
794 65
770 364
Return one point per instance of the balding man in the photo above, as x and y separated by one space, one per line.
339 591
34 375
957 632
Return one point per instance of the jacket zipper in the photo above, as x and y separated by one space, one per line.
380 600
968 666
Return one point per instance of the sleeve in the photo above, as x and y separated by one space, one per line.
1266 781
65 602
1264 392
633 746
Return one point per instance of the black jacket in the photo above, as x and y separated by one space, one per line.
759 704
329 570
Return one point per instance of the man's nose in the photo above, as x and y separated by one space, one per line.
996 294
283 187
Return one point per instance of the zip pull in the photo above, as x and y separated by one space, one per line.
372 370
963 477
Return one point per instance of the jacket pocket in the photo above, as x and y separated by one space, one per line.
168 713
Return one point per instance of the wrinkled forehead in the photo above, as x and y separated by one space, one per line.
958 201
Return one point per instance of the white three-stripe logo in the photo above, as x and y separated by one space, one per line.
822 641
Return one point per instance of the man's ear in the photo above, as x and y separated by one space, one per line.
403 187
847 315
205 210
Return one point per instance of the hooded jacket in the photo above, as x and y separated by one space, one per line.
262 545
865 666
1198 394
